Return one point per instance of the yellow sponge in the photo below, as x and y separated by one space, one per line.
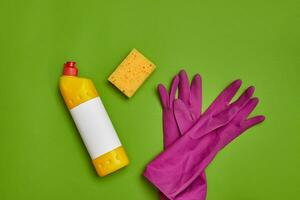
131 73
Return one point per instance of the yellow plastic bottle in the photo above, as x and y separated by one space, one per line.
92 121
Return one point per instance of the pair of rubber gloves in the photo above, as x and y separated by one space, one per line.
192 139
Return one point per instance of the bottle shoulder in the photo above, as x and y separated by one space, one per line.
76 90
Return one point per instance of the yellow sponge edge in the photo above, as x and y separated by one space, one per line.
131 73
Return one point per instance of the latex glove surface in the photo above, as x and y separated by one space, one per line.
191 97
179 165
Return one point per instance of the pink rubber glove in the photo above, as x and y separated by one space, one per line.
191 96
179 165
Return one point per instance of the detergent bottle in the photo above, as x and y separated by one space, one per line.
92 121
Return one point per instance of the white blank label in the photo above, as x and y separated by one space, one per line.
95 127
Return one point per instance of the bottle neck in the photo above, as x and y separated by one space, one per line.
70 69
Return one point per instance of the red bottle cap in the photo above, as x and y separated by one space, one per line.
70 69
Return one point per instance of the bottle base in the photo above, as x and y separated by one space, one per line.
111 161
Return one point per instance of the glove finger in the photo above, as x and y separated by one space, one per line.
247 109
243 99
163 95
235 132
184 87
240 124
196 96
243 127
182 115
226 95
173 90
253 121
233 110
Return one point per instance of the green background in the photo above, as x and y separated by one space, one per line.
41 154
